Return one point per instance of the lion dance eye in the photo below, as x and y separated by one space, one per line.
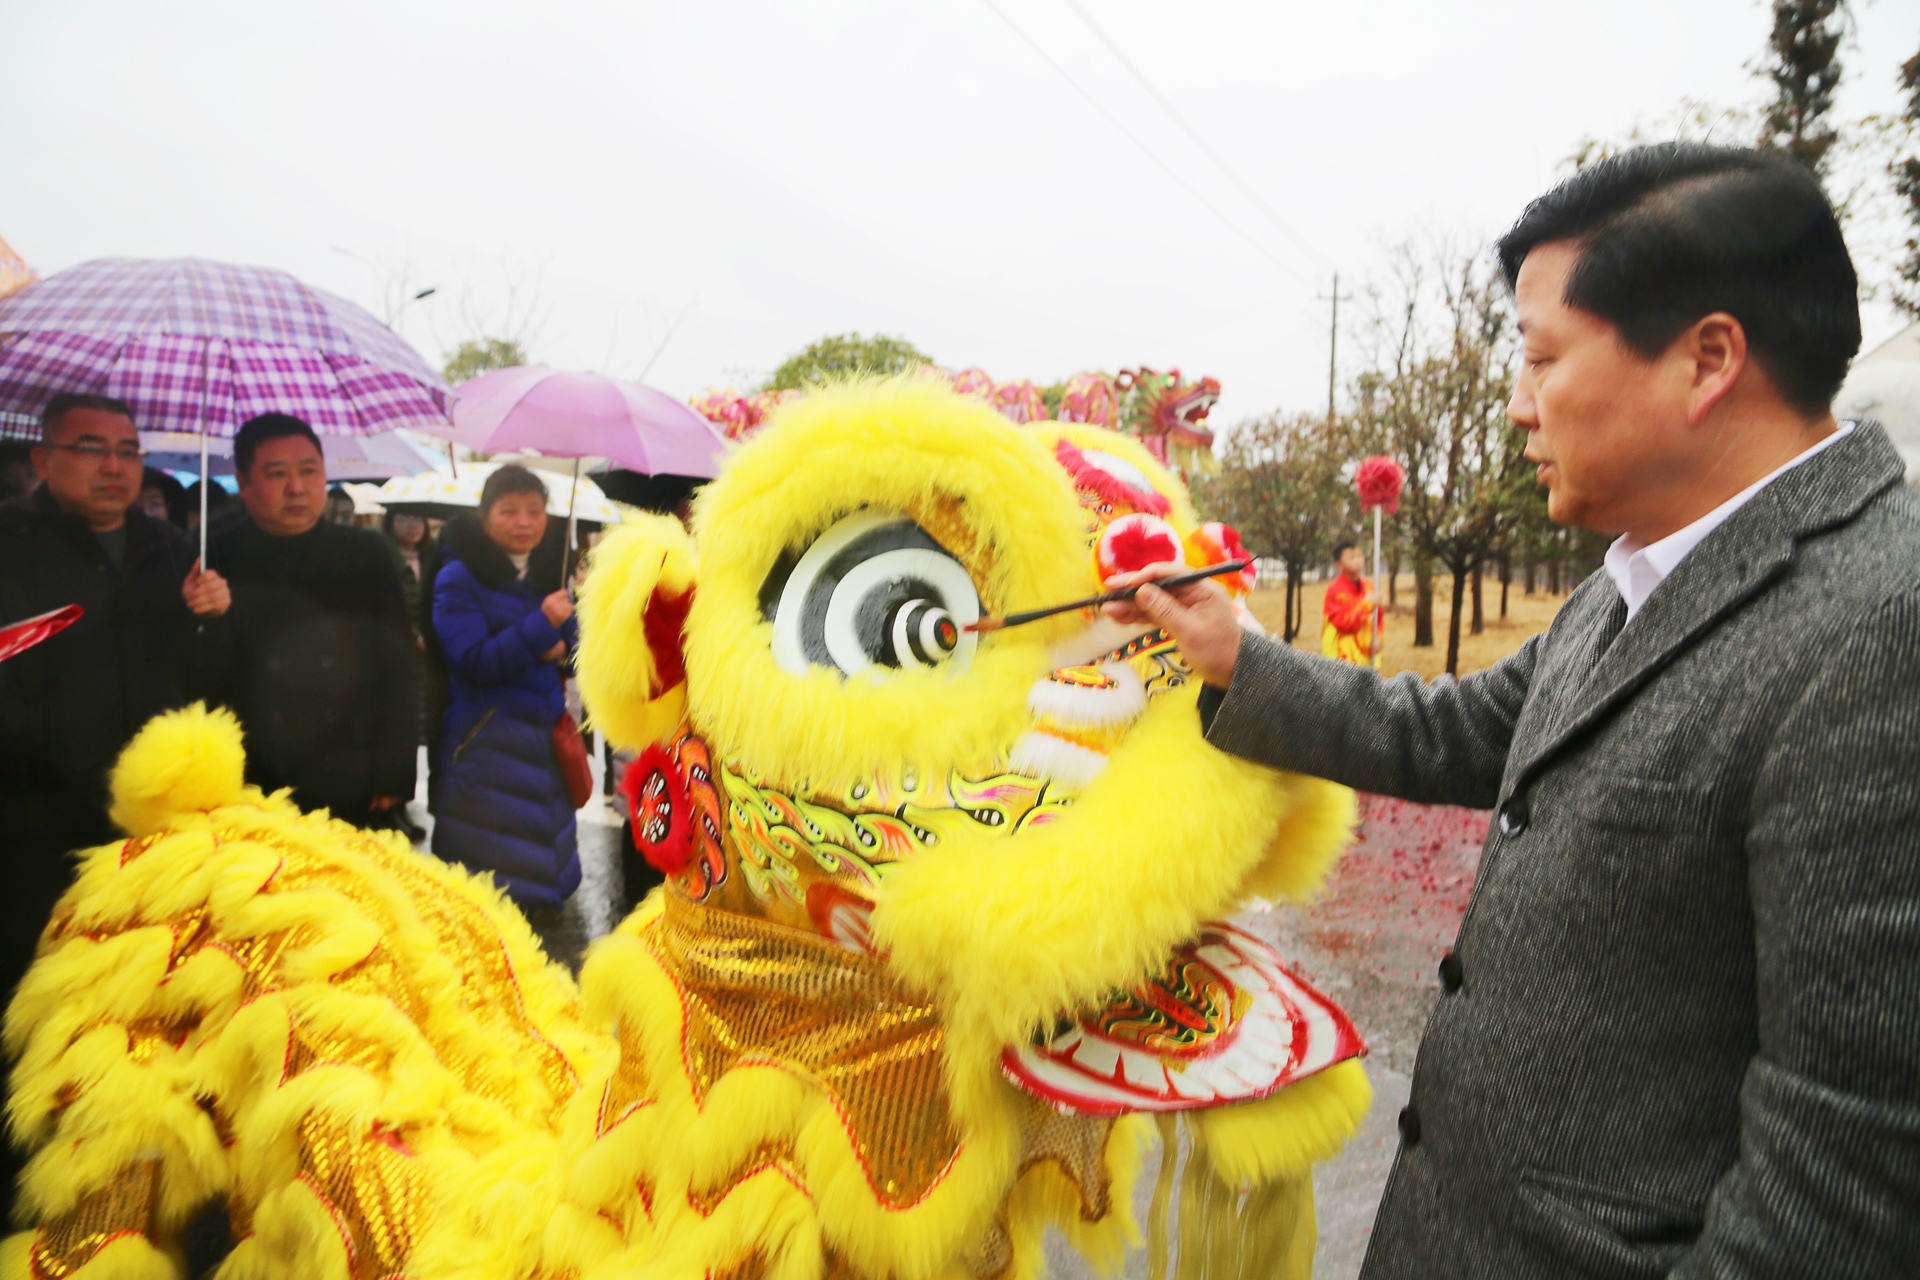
875 590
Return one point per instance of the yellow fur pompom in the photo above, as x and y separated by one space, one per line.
181 762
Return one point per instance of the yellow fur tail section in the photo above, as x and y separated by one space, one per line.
646 561
1286 1134
348 1042
183 762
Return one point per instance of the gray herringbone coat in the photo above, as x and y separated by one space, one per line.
1683 1033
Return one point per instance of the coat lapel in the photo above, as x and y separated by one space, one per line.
1735 563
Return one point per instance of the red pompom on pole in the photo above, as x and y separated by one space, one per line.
1378 480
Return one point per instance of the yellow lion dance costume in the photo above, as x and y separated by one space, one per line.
934 954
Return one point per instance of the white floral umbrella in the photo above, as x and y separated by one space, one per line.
440 493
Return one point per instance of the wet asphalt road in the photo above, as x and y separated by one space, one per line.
1372 942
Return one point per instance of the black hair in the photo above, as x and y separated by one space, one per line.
218 499
58 407
512 478
426 525
172 490
1341 548
257 430
1672 232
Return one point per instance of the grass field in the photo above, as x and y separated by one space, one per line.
1526 614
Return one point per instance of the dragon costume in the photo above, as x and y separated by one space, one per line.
938 955
1163 411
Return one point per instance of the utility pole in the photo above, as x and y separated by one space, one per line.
1333 341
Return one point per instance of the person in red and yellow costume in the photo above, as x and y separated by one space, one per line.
1348 634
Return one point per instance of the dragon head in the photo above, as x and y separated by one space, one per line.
1169 407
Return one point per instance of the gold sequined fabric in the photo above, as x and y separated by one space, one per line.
626 1090
123 1207
754 989
1077 1145
372 1188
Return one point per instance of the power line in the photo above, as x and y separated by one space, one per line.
1145 150
1219 161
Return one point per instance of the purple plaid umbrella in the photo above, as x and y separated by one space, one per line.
202 346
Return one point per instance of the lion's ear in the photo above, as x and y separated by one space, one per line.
633 607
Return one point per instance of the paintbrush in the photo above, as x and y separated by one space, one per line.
1106 597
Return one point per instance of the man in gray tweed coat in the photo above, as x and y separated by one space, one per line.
1679 1031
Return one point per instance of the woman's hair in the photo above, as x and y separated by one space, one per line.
512 478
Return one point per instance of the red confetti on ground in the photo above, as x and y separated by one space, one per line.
1409 874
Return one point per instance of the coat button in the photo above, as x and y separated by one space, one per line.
1513 820
1450 972
1410 1126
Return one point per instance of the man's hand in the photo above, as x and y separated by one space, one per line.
205 592
1199 616
556 653
380 804
558 607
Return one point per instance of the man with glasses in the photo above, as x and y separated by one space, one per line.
152 619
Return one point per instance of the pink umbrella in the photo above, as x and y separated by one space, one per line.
584 415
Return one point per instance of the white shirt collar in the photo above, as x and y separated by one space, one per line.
1637 570
519 563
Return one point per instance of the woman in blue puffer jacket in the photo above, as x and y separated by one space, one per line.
500 802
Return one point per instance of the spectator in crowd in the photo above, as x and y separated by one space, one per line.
163 498
412 551
17 476
501 803
69 704
323 672
1348 609
411 547
339 506
218 501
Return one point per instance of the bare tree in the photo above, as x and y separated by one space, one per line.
1281 485
1437 403
1805 71
1905 168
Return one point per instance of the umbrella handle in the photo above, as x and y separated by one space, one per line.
203 497
573 503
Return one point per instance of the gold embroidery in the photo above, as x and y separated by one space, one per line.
122 1207
372 1187
754 989
627 1089
1078 1146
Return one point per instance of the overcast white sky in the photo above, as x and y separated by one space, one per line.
769 173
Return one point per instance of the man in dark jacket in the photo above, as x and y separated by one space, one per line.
322 674
151 622
1679 1033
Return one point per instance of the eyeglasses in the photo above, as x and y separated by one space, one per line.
99 452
